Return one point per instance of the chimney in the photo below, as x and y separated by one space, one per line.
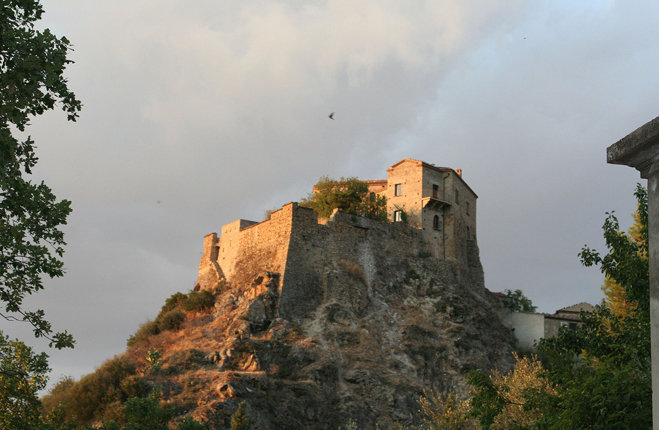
459 172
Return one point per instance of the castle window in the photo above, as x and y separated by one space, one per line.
435 191
398 189
467 203
398 216
435 222
457 197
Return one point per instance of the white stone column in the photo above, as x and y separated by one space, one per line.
640 149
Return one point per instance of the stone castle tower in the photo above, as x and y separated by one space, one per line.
435 200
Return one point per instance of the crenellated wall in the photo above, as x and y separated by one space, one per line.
293 243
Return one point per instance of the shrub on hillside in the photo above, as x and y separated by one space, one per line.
95 394
58 393
170 320
198 301
173 302
171 315
145 331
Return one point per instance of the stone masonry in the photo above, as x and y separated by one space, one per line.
441 222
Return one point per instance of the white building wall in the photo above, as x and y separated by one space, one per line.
528 328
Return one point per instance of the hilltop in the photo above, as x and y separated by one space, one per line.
318 322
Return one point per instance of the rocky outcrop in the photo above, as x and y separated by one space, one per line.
371 339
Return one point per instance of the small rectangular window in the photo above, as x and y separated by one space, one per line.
435 191
398 189
457 197
467 203
398 216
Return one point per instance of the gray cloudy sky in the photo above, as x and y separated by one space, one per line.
198 113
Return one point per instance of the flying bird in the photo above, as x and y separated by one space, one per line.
331 116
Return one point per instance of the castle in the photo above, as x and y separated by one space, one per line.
437 205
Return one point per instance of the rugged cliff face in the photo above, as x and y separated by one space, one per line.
369 341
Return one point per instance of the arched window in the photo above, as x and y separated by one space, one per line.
435 222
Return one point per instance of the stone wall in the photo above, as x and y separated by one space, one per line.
346 243
247 247
308 254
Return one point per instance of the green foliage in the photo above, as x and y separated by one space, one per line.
198 301
626 260
56 420
174 301
171 315
190 424
486 400
134 386
240 419
22 375
170 320
154 358
516 301
146 413
145 331
32 64
350 195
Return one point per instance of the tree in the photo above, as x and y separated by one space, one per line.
508 400
349 195
22 375
32 64
516 301
445 412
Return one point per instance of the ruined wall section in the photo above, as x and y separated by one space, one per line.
210 273
246 248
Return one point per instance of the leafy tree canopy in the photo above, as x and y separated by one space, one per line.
32 64
349 195
22 374
516 301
